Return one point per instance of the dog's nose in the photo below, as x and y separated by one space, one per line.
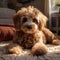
29 27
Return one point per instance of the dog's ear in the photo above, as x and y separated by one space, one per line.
42 21
41 18
16 20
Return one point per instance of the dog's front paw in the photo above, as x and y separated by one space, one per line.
14 49
39 49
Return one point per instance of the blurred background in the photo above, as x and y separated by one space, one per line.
51 8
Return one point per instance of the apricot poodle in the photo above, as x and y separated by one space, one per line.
31 32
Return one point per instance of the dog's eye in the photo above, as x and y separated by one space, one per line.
24 19
35 20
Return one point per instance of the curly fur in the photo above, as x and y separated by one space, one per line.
31 32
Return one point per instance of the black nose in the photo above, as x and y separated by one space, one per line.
29 27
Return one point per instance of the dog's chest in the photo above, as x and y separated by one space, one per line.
27 40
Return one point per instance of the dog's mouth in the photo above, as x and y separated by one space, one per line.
29 29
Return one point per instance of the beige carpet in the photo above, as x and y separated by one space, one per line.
53 54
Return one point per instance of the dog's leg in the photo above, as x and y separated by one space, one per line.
39 49
14 48
51 37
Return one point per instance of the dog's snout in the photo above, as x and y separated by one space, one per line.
29 27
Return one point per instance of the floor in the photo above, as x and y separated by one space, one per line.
53 54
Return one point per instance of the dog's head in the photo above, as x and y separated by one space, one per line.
29 20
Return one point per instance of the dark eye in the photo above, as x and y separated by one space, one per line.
24 19
35 20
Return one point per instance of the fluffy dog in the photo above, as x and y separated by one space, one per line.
31 32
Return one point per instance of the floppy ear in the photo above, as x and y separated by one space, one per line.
16 20
42 21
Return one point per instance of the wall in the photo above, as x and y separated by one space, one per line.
57 1
37 3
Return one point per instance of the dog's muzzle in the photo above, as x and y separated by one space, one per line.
29 27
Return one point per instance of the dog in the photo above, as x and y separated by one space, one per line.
31 32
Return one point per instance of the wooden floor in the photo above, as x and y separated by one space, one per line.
53 54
